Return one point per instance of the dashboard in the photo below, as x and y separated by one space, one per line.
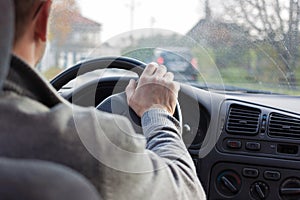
251 145
244 146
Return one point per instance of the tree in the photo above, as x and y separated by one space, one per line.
61 17
275 22
61 23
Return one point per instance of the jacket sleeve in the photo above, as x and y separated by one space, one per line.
164 138
154 166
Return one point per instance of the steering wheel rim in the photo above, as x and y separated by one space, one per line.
90 65
120 102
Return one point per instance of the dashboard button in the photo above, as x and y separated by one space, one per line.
253 146
272 175
234 144
250 172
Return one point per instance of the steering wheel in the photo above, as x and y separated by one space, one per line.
116 103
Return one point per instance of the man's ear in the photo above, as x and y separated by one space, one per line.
42 22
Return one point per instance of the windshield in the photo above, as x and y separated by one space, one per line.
237 45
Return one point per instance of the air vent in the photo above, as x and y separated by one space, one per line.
243 120
284 126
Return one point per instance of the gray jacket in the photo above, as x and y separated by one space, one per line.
36 123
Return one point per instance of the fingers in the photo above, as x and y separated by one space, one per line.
150 69
161 71
130 89
157 73
153 69
155 89
169 76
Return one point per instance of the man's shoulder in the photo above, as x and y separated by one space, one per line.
23 104
67 120
14 102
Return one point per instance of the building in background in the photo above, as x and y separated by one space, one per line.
84 36
74 38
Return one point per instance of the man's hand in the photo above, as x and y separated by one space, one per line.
155 89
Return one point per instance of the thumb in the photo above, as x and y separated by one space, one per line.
130 89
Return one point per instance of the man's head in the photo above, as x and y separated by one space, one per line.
31 23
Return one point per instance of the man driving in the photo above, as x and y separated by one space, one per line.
36 123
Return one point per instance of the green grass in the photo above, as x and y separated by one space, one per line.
240 77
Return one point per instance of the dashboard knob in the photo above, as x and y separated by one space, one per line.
228 183
186 129
259 190
290 189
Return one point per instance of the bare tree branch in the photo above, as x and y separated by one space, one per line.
262 18
265 13
277 23
278 12
247 18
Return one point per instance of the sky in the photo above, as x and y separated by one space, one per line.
175 15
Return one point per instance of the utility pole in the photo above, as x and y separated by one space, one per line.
132 6
152 23
132 10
